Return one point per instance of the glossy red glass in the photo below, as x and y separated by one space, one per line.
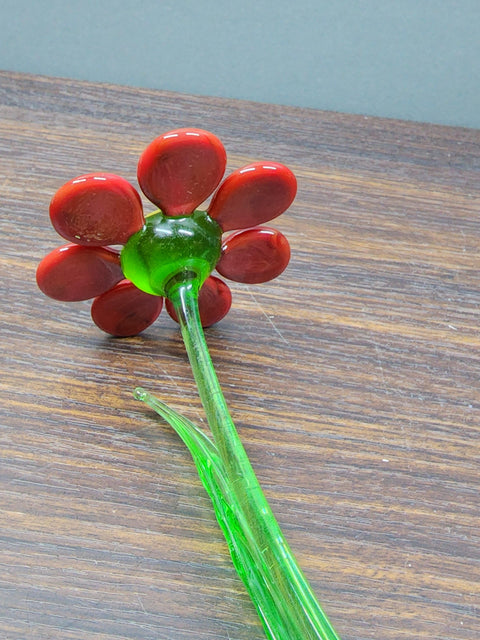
180 169
214 302
125 311
254 255
73 272
252 195
97 209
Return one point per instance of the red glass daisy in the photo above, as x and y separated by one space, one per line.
177 172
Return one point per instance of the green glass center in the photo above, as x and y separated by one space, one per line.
168 249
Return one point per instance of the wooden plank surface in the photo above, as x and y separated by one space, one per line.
353 379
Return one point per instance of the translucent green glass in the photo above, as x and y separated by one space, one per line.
283 599
172 256
167 247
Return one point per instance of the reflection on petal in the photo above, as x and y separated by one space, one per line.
254 255
180 169
97 210
72 272
125 310
255 194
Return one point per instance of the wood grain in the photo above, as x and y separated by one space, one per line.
353 379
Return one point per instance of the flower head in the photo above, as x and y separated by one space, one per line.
177 172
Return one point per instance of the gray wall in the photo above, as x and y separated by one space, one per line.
410 59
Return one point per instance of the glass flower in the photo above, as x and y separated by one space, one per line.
169 255
177 172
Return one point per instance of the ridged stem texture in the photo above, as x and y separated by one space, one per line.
284 601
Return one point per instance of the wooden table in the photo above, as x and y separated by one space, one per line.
353 379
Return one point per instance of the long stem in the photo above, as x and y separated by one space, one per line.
230 517
284 600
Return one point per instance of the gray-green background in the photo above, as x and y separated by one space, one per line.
410 59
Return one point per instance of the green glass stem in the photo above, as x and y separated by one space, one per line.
284 600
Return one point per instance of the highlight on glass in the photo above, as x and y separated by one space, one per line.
133 265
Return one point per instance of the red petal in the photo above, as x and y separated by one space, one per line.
72 273
180 169
125 310
214 302
255 255
257 193
96 210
